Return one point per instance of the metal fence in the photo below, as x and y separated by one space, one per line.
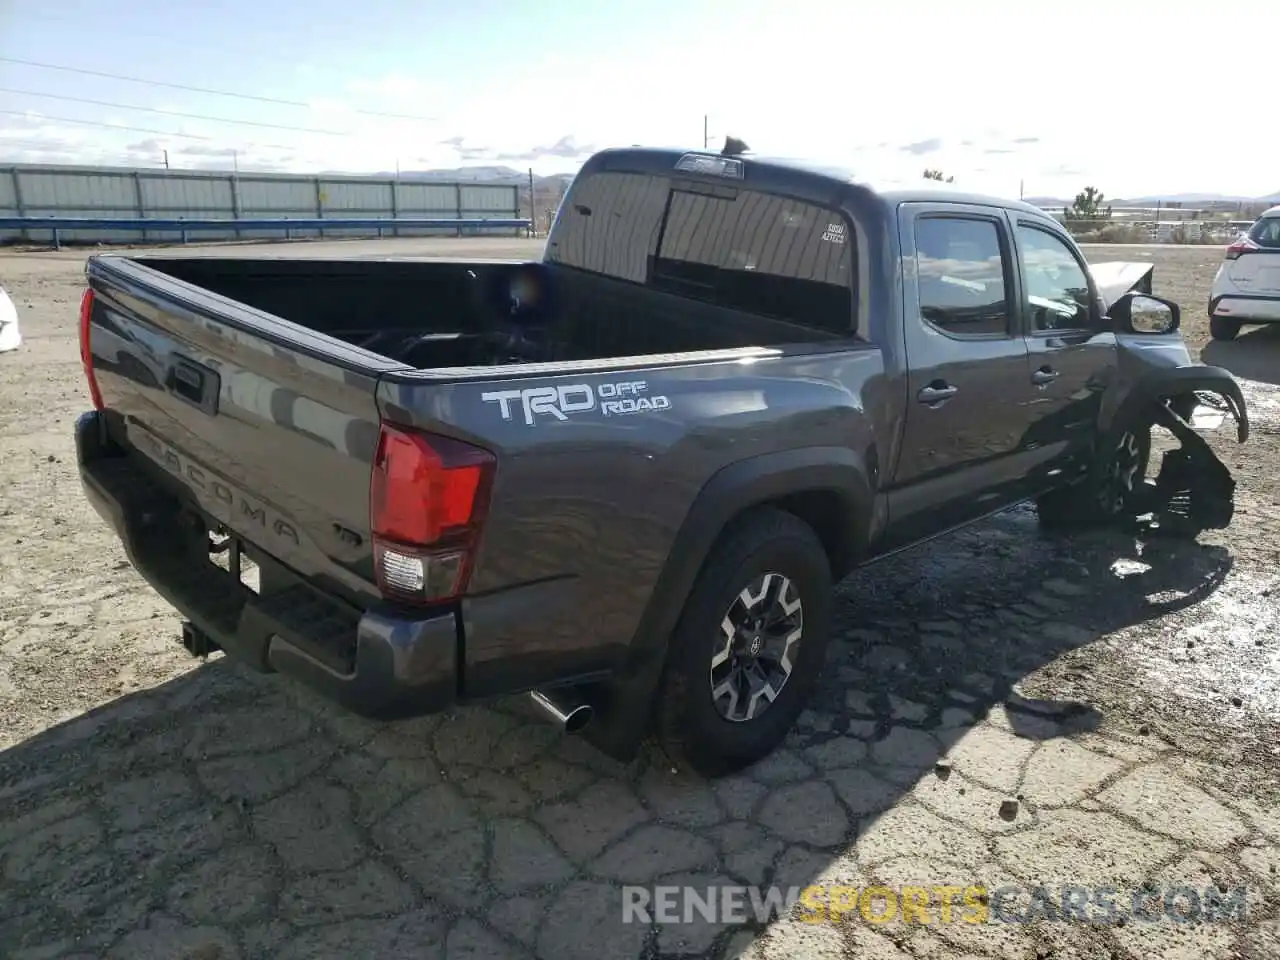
116 193
1134 230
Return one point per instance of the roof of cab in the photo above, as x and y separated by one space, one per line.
906 190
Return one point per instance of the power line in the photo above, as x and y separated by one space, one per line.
173 113
191 89
121 126
144 31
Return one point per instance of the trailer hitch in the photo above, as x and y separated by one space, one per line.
196 642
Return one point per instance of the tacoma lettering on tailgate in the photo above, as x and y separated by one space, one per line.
240 509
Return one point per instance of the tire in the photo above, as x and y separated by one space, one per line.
1223 328
689 725
1105 496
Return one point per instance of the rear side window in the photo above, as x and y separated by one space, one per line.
1266 233
723 245
960 271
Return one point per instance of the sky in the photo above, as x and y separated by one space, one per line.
1042 97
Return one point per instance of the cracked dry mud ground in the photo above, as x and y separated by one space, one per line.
154 808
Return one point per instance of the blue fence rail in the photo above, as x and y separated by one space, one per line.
288 225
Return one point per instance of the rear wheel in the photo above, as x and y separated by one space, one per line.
749 647
1224 328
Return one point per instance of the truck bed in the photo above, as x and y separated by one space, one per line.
439 314
256 401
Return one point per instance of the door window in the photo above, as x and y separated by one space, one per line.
961 273
1057 286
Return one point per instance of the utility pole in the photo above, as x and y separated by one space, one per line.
533 207
166 159
706 136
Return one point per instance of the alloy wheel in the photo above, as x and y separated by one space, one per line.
1121 474
755 650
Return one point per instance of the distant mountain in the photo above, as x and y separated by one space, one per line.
496 174
557 182
1151 201
1187 198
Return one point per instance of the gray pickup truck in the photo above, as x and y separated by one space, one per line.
621 479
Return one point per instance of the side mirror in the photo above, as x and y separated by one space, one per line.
1144 313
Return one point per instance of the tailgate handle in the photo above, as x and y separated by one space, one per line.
194 383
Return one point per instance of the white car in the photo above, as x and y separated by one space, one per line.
10 339
1246 288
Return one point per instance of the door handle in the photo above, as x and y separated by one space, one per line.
1044 375
936 394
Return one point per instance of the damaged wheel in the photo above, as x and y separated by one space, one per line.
1110 490
1124 470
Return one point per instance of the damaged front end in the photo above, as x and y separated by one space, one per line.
1193 490
1160 386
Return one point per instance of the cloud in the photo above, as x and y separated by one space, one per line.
391 86
921 147
1026 140
567 147
379 147
158 146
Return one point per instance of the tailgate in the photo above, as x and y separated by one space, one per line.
268 426
1256 267
1257 272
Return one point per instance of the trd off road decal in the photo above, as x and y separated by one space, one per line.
611 399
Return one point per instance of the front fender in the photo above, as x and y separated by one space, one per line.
1165 383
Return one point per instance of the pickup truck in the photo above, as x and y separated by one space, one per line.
622 479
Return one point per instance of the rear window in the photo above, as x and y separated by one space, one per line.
724 245
1266 232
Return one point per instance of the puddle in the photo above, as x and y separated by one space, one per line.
1123 569
1210 651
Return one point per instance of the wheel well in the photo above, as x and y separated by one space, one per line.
827 512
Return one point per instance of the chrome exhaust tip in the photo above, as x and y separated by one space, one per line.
570 715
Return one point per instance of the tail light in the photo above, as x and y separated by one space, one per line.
86 355
1243 245
427 500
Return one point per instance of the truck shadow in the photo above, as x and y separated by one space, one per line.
1255 355
225 814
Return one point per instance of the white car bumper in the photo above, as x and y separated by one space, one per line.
1245 308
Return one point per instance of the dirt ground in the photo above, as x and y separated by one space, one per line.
1001 709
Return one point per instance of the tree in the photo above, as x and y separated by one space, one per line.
1088 206
937 175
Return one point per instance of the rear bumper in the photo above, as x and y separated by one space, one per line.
378 663
1246 308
